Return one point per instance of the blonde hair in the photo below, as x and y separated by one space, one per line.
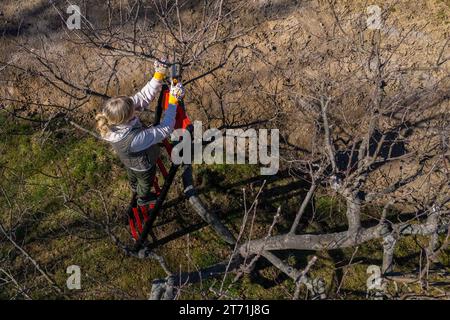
118 110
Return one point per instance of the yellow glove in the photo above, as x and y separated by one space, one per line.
176 93
160 69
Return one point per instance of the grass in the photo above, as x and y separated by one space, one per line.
89 161
446 2
331 210
442 16
40 171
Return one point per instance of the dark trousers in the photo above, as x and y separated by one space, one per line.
141 182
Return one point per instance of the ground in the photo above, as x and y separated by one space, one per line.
45 170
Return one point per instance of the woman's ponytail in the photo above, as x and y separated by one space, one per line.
102 124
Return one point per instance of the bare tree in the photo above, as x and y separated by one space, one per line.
378 119
363 117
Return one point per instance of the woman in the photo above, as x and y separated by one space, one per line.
135 144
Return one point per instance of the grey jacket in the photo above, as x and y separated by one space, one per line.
137 143
137 161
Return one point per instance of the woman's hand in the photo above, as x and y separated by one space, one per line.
177 93
160 69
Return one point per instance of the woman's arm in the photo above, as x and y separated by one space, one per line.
143 98
156 134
